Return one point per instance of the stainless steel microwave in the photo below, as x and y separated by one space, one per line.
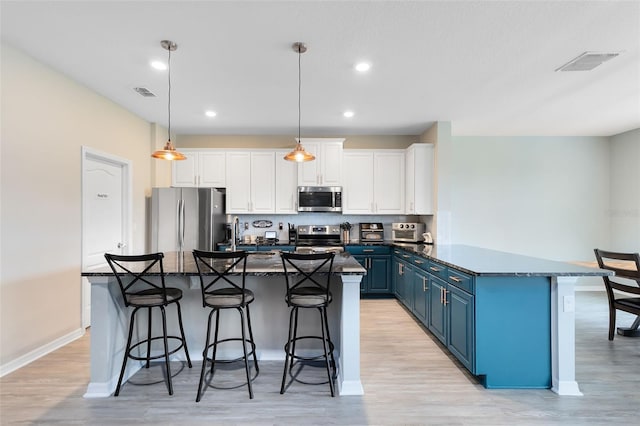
319 198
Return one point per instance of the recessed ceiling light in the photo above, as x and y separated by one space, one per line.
161 66
363 67
348 114
210 113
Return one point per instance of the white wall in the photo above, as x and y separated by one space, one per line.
46 118
539 196
624 204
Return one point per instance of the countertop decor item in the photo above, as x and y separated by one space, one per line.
169 151
346 232
299 154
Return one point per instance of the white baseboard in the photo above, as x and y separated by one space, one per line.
29 357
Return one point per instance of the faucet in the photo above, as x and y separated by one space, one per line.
235 230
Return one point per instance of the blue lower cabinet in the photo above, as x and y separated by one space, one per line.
438 315
377 261
460 318
362 260
421 295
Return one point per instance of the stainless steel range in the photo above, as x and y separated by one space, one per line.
318 238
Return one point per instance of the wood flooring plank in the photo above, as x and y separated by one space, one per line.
408 377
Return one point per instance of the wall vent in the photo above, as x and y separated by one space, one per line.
144 92
587 61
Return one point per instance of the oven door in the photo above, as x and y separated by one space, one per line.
410 236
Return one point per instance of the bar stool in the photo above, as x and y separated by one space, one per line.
215 268
138 278
308 290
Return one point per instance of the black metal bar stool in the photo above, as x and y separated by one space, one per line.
308 278
138 278
216 269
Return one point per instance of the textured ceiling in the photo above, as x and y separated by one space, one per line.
486 66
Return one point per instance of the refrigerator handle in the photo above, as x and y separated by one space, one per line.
179 224
182 225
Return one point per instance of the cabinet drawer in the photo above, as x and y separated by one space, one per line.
368 250
437 269
420 262
461 280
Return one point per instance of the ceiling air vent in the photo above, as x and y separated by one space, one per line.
587 61
144 92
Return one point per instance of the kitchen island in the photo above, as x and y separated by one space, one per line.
509 319
269 314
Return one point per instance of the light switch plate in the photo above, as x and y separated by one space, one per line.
569 303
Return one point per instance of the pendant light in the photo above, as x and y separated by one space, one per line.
299 154
169 152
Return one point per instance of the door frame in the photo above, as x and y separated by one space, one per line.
89 153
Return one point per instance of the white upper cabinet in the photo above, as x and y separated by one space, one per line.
357 191
419 177
250 182
286 184
373 182
326 169
200 169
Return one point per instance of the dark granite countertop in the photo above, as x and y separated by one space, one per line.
258 263
485 262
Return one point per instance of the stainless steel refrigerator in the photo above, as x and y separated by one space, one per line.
187 218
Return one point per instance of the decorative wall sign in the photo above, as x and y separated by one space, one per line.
262 224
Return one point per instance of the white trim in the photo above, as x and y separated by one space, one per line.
127 213
563 336
35 354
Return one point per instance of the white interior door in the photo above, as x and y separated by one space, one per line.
105 214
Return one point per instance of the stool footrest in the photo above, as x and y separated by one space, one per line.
224 361
287 347
161 355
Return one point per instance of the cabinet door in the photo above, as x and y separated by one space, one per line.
262 182
184 172
460 313
362 260
212 169
388 182
421 172
379 268
331 174
286 184
357 197
437 316
398 267
238 182
410 179
407 281
326 169
421 291
309 172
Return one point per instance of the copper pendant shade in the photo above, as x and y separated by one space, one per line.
169 151
299 154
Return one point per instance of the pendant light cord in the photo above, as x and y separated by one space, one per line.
299 89
169 104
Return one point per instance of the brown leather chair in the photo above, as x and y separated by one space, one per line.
626 280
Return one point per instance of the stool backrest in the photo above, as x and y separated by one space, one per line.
215 268
310 266
626 267
137 273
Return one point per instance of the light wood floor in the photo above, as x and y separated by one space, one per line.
408 379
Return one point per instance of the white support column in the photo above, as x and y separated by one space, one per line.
563 336
104 312
349 375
